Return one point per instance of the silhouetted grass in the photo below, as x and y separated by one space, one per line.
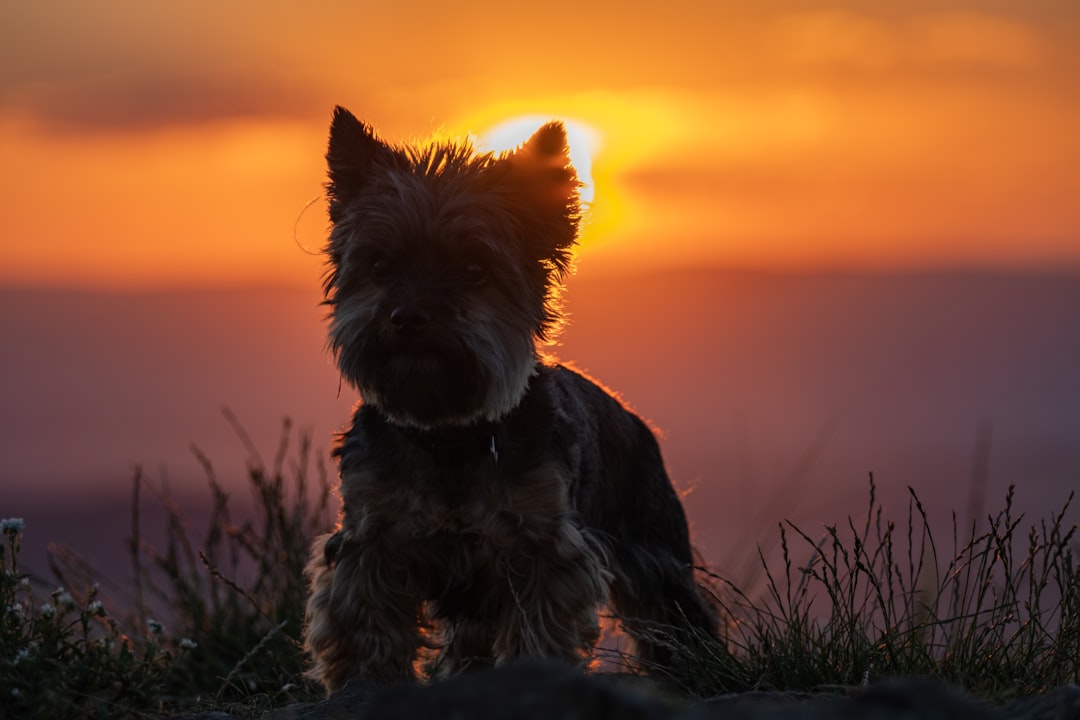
240 596
997 613
65 656
229 606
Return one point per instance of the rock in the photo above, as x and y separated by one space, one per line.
897 699
544 690
528 690
1060 704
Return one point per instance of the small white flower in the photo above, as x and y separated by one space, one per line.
21 655
47 610
96 608
11 526
156 628
24 582
188 644
17 610
16 693
65 598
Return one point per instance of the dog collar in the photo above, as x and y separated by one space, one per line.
454 444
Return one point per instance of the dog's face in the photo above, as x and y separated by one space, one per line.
444 267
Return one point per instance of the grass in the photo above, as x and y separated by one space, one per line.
229 606
241 594
66 657
994 611
997 614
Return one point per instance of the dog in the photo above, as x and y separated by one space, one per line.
492 501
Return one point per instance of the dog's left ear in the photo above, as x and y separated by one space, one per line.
542 170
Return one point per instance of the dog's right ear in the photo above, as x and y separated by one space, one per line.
352 150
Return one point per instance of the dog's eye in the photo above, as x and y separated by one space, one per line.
379 268
474 273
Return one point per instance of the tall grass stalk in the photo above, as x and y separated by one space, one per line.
995 610
229 605
240 592
998 614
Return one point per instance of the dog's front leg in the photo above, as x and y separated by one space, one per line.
468 646
553 587
361 614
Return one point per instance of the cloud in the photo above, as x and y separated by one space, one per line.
968 39
131 65
117 65
146 101
955 40
835 38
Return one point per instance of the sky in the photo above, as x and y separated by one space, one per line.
173 144
176 146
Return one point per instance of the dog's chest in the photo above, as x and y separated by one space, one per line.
418 499
437 500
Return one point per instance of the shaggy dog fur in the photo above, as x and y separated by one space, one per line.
492 501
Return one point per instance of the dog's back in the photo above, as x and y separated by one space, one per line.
623 492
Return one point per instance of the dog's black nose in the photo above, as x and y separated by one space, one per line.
409 317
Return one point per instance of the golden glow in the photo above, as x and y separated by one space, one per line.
184 206
755 134
583 141
611 135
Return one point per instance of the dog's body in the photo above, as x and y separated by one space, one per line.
492 502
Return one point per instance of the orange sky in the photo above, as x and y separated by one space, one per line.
170 143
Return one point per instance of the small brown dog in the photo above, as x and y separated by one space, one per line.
492 502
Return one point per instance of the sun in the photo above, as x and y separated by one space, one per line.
615 141
583 140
